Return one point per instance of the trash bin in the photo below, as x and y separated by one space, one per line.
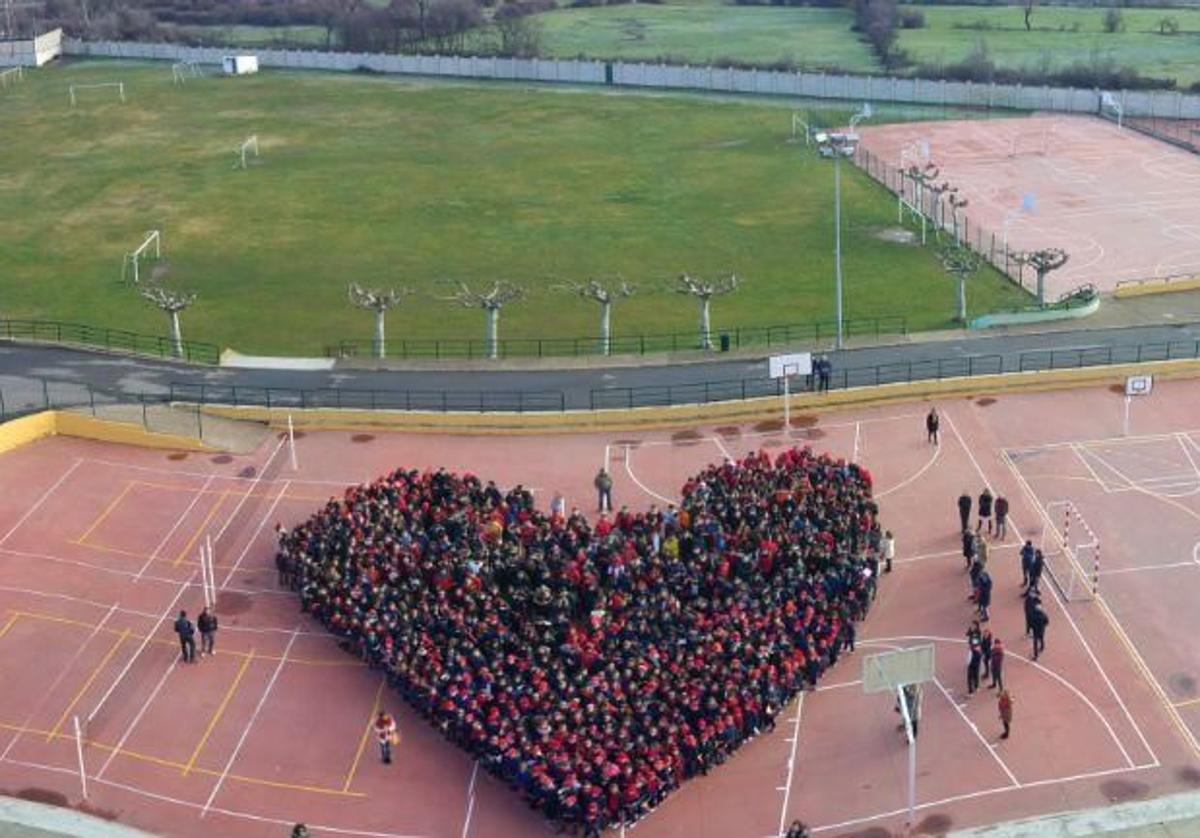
724 341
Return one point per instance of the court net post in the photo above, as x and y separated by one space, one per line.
79 754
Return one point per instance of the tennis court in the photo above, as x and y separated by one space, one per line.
99 548
1124 206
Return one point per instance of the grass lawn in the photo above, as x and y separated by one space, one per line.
809 37
1055 41
385 181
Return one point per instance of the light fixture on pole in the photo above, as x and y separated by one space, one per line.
839 144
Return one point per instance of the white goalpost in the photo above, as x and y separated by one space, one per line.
134 257
800 128
248 146
1072 552
10 76
181 71
73 89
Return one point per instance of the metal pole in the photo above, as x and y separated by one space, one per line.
79 755
837 236
912 777
1128 400
787 406
292 442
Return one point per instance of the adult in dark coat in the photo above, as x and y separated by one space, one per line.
187 637
964 512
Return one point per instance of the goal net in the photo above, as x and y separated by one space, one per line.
1111 108
181 71
248 148
1072 553
76 92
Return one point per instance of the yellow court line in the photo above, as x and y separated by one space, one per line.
86 684
235 493
187 548
107 511
104 548
216 717
334 662
362 743
167 763
16 615
1187 703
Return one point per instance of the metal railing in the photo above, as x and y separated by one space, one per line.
113 340
733 338
344 398
1184 133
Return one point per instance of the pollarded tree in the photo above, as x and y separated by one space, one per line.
704 292
501 294
605 294
962 263
170 301
1043 262
922 177
378 301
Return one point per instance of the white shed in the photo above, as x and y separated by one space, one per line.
239 65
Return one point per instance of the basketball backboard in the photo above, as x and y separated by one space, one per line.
888 671
783 366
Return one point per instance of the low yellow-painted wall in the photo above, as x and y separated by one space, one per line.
683 415
37 426
1167 285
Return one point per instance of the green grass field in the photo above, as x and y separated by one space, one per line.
384 181
1061 36
808 37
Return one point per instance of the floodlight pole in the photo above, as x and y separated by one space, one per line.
912 754
837 239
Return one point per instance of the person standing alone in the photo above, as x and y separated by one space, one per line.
1005 705
1001 517
932 423
604 484
385 733
997 665
964 512
187 637
207 623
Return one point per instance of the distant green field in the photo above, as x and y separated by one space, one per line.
383 181
1061 36
808 37
261 36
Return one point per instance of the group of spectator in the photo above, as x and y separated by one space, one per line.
596 667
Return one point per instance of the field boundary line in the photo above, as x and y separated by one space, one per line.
791 763
639 483
178 523
107 511
219 712
42 499
253 536
362 742
87 685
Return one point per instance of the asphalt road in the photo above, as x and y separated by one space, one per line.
29 373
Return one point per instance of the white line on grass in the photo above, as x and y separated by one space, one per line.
38 503
250 724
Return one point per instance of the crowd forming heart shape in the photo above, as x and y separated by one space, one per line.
595 667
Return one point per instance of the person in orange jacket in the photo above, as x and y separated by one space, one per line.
385 733
1005 704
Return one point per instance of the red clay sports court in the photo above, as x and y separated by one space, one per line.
97 552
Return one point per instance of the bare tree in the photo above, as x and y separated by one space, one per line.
501 294
956 202
378 301
606 295
962 263
170 301
922 177
1043 262
704 292
1028 6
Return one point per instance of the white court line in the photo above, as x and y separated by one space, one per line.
937 452
646 443
188 473
241 627
178 522
133 724
1066 613
128 573
254 537
716 440
470 799
975 729
791 766
250 724
1115 570
1110 440
145 642
38 503
947 553
1062 605
974 795
1078 451
50 690
187 804
639 483
857 432
1179 437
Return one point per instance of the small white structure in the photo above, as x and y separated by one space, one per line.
239 65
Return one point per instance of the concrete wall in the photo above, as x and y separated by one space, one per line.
33 52
26 429
681 77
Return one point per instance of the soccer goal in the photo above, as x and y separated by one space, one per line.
181 71
130 266
74 89
1072 553
801 129
249 146
1110 108
1026 143
10 76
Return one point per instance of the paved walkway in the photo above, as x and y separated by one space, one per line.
1173 816
26 819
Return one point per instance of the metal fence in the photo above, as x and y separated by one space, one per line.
733 338
113 340
995 250
817 85
1184 133
344 398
